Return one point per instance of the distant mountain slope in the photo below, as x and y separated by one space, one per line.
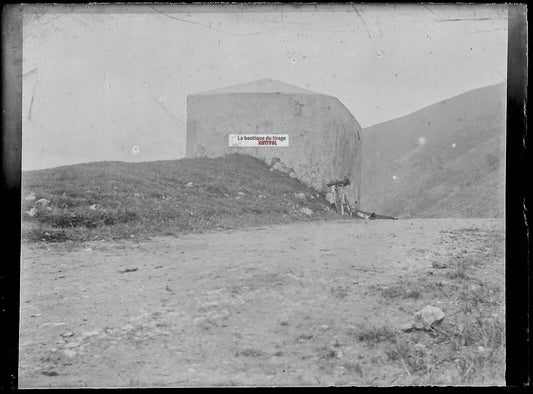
445 160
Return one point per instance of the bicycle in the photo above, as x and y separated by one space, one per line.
338 190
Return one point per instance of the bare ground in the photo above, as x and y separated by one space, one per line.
316 303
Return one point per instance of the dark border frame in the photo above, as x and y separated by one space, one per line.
517 217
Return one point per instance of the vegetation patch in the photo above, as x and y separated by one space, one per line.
402 289
114 200
373 335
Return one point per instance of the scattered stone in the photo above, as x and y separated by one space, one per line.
69 353
43 203
53 350
300 195
189 184
88 334
72 344
136 195
306 211
57 324
88 249
30 197
241 193
93 207
32 212
428 316
128 327
324 327
67 334
362 215
292 174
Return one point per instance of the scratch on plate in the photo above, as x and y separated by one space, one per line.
201 24
362 20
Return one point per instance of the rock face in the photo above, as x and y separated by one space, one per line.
325 139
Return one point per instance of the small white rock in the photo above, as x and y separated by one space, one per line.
90 333
69 353
306 211
43 202
428 316
30 197
67 334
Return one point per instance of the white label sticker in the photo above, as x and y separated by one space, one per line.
255 140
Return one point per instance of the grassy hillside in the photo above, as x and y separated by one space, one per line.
446 160
121 200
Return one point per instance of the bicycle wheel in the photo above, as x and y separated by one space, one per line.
338 202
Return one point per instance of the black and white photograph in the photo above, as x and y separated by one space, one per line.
264 195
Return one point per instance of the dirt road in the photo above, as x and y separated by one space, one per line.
277 305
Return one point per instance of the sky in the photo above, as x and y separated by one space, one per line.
111 82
